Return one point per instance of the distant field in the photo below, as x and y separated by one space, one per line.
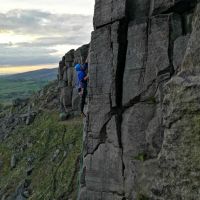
24 84
11 89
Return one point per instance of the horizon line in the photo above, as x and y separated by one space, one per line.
24 69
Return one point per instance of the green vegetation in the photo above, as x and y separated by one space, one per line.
52 148
141 157
188 149
142 197
10 89
1 107
151 100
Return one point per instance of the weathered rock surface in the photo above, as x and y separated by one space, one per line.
69 98
141 138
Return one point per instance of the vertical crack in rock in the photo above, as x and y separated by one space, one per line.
171 47
121 62
152 2
138 99
111 10
184 32
102 137
148 28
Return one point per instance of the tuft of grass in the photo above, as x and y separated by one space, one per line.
151 100
141 157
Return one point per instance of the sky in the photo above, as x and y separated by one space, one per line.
36 34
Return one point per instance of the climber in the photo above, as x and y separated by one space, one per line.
82 83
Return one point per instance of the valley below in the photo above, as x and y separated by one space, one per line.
25 84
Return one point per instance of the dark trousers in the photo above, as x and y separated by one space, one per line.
83 98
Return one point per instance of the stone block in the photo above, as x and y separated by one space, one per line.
180 46
69 57
104 170
81 54
75 100
192 58
66 96
179 6
134 125
158 48
138 10
104 61
135 61
109 11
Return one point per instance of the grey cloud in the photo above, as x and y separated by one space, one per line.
52 30
14 56
52 41
37 22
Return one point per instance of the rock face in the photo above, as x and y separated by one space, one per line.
69 97
141 137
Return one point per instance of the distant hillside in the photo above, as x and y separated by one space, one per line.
25 84
42 74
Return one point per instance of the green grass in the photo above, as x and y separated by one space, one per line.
141 157
50 179
18 88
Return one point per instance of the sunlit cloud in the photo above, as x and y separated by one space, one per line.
21 69
14 56
35 37
11 37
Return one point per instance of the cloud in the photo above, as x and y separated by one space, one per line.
35 22
15 56
56 6
50 31
54 41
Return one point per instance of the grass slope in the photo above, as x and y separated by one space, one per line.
42 74
24 84
54 150
19 88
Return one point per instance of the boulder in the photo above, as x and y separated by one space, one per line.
66 97
76 100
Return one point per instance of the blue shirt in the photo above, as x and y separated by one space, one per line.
81 74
